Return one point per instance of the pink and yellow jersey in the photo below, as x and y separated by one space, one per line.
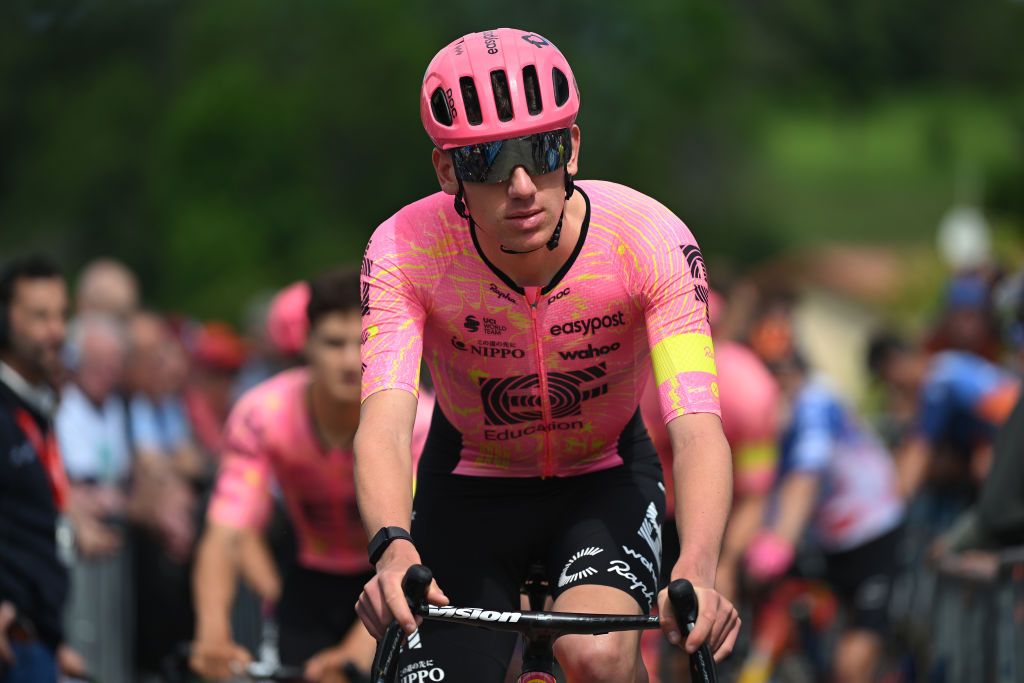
539 381
270 436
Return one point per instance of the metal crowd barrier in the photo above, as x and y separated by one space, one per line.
100 615
978 619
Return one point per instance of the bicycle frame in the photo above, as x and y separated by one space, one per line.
538 629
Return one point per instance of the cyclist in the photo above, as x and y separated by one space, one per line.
534 302
296 428
837 481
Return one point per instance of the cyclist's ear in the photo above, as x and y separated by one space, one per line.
445 170
573 165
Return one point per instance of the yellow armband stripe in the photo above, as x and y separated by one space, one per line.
683 353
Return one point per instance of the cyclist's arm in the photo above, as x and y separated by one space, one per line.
214 578
383 464
257 566
383 472
357 648
702 467
744 521
797 498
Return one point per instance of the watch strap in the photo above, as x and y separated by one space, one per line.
383 538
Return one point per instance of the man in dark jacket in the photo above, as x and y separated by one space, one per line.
33 579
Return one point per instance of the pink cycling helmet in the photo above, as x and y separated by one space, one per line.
495 85
287 322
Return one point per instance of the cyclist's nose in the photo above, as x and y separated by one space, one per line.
520 183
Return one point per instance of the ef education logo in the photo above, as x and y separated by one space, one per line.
511 400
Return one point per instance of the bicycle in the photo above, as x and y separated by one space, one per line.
538 629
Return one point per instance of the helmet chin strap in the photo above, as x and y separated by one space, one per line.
552 244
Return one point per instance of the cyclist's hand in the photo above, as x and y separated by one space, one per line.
382 598
327 666
218 659
718 623
768 557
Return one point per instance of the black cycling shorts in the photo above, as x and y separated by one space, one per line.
316 611
862 578
480 535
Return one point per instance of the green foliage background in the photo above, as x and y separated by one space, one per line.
221 147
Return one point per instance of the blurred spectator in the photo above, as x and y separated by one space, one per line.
837 481
158 425
168 467
91 422
33 487
93 437
961 400
967 321
107 286
997 521
217 356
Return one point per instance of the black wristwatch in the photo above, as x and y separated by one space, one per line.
383 538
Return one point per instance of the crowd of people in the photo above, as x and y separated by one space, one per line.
170 469
124 410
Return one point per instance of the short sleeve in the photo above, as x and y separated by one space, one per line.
393 316
241 498
675 303
813 439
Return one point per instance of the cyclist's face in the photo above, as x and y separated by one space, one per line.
520 213
333 353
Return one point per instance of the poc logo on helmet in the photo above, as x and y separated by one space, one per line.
535 40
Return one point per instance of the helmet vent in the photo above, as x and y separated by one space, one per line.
561 86
471 100
502 99
439 107
531 84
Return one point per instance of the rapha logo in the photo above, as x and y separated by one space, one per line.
511 400
502 294
565 578
625 571
471 324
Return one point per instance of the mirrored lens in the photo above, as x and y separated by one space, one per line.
493 162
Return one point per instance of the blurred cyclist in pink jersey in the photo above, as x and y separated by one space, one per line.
538 305
296 429
750 399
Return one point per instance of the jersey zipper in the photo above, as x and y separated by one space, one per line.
547 461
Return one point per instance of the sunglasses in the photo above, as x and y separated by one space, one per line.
493 162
